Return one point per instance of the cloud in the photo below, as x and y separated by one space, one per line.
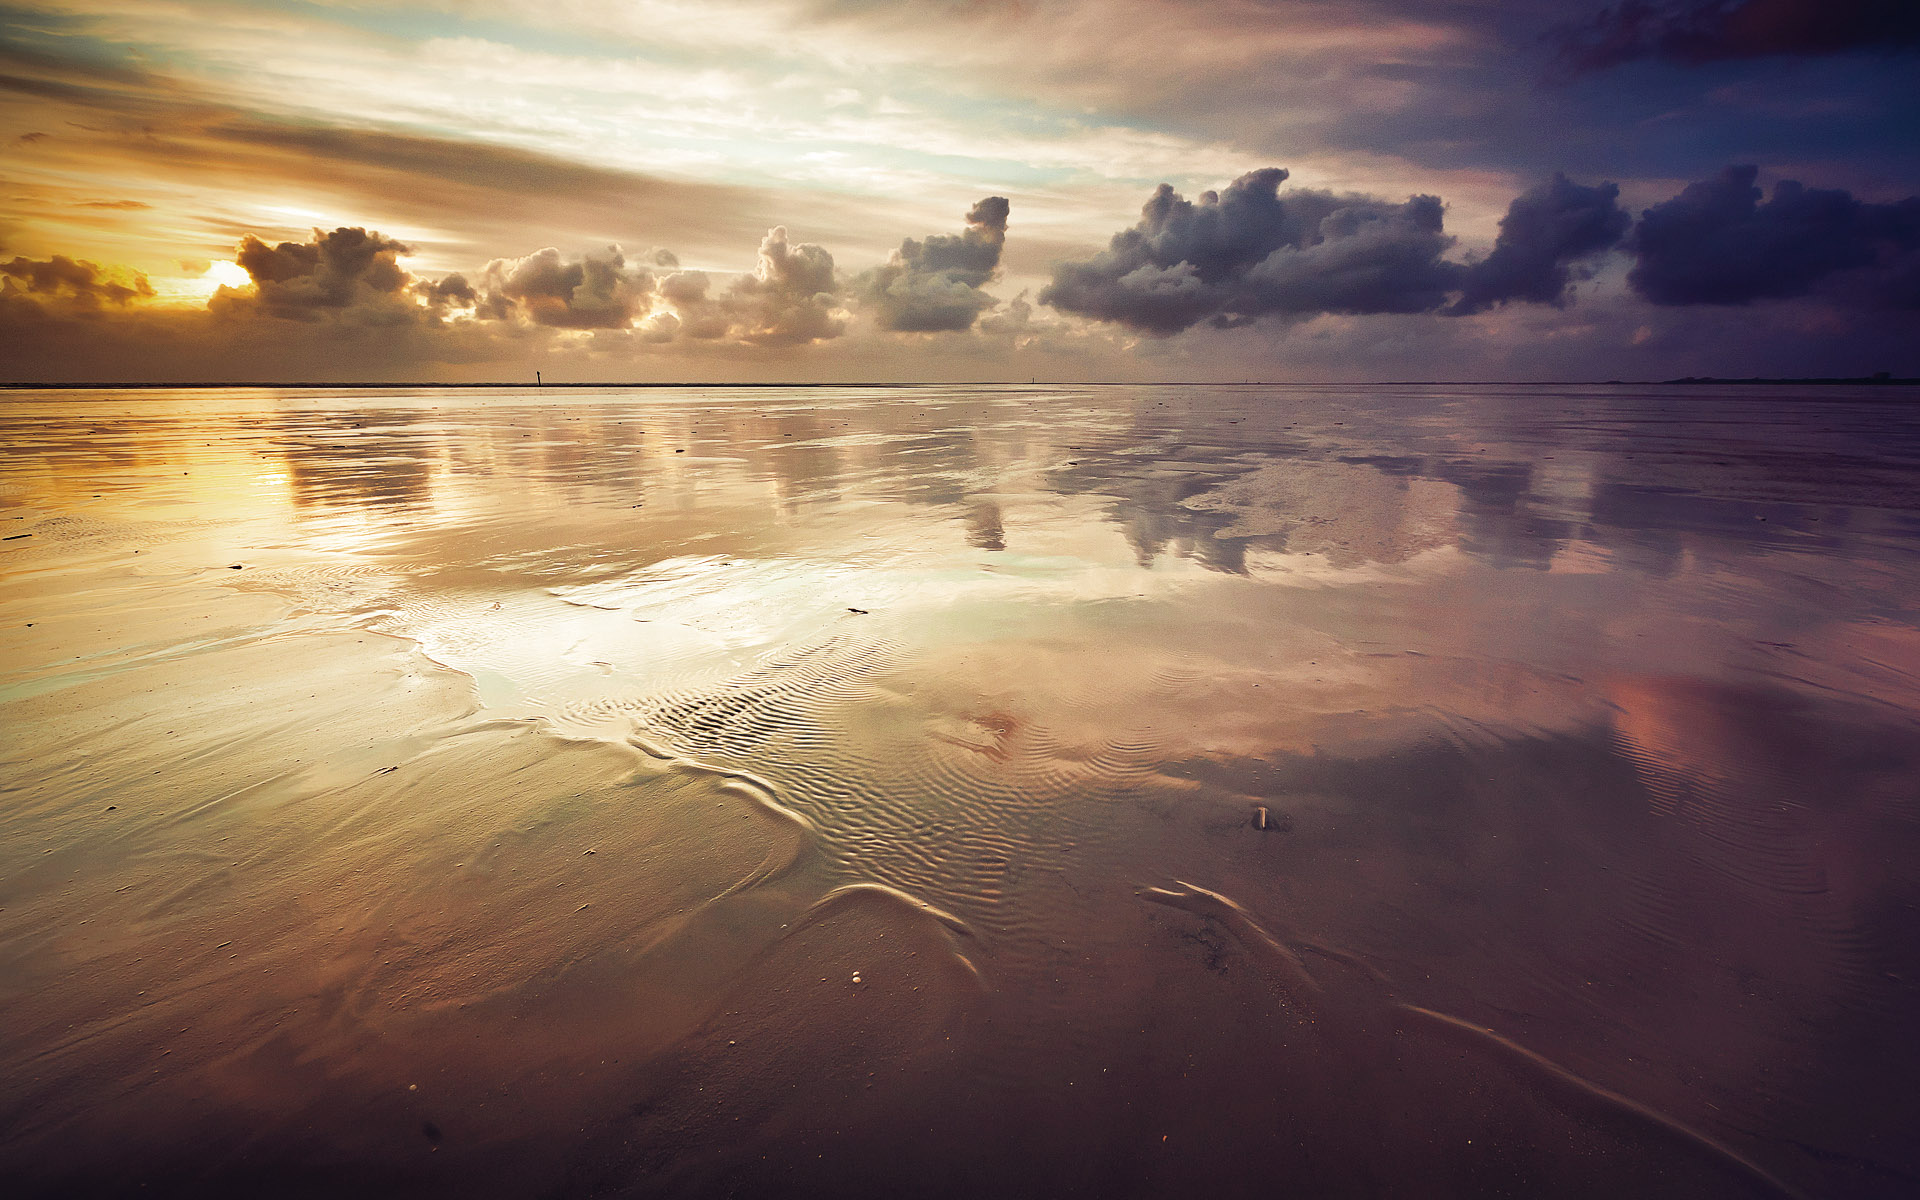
478 177
453 291
1362 256
590 292
790 298
342 304
354 276
349 268
122 130
934 285
335 307
1543 231
1718 243
1703 31
695 314
1246 253
66 283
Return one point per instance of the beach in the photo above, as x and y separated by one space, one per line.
960 790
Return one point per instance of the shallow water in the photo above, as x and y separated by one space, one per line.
961 791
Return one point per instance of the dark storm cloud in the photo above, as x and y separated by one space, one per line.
347 268
1702 31
935 285
1718 243
1544 231
595 291
1250 252
1362 255
68 283
1245 253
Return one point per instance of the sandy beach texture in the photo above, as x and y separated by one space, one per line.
980 791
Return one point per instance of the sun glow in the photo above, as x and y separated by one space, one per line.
222 273
197 289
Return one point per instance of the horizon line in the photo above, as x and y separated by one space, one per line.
1881 380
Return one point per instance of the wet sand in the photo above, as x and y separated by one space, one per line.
961 792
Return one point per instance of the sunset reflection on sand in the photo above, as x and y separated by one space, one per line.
959 791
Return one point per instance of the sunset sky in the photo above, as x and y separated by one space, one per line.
862 190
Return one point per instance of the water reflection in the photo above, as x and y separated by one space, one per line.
776 791
1167 466
386 464
985 531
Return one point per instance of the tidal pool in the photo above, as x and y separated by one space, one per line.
960 791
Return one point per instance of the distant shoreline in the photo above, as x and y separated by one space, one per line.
1863 380
1687 381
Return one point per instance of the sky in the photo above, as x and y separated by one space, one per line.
949 190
